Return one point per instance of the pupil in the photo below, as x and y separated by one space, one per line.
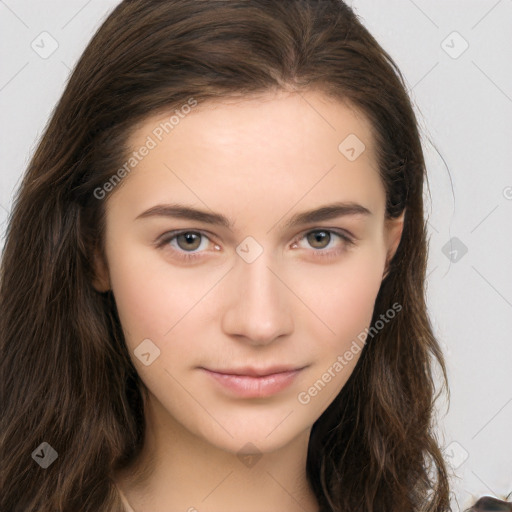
319 236
191 240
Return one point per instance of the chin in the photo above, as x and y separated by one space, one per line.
258 433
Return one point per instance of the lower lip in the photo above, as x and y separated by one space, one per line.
254 387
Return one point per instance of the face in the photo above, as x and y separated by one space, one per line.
251 286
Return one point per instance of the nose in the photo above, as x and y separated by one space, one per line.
258 309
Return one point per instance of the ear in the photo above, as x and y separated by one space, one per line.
101 280
393 228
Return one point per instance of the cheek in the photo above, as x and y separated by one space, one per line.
357 294
343 296
346 308
144 310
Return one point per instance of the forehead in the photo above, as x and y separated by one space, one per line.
291 124
272 150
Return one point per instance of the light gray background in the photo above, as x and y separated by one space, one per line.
464 104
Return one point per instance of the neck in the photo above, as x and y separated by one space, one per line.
177 470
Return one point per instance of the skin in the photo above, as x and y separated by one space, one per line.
257 161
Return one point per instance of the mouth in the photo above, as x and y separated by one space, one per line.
250 382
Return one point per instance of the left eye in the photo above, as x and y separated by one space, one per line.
188 240
318 238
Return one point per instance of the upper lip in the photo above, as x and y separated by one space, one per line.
256 372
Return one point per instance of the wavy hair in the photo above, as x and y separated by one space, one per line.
67 378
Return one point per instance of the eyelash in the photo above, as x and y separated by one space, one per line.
164 240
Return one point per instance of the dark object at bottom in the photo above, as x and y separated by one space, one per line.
488 504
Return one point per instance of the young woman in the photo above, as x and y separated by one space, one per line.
213 279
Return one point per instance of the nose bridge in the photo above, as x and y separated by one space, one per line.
259 310
260 284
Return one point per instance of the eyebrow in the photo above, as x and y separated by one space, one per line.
326 212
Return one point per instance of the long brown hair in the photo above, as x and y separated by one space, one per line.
67 376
